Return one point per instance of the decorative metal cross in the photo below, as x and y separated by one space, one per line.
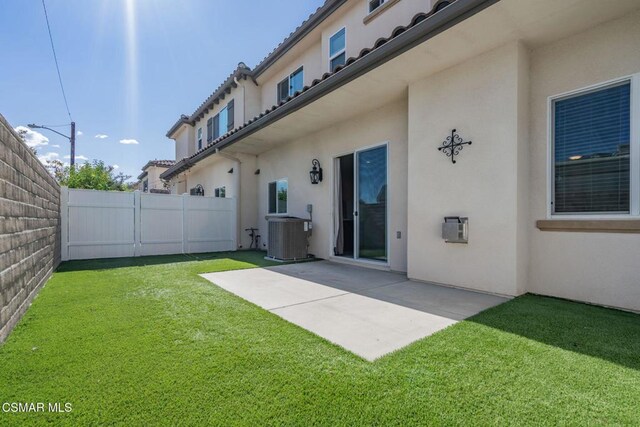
453 145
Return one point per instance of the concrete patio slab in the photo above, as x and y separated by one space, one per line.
368 312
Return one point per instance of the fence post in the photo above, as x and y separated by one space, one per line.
137 232
185 231
64 223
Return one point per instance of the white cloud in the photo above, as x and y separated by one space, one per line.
31 137
102 136
115 167
78 157
48 157
79 133
129 142
55 146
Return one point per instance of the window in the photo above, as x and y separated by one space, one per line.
337 49
199 138
374 4
594 169
220 192
224 120
292 84
145 186
278 197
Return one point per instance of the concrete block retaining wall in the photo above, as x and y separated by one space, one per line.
29 227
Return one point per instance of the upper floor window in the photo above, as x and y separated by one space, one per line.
278 196
595 170
200 138
221 123
145 186
374 4
292 84
337 49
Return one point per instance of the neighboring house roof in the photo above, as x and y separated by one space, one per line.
181 121
423 26
157 163
241 72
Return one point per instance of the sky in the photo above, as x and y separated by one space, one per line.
129 67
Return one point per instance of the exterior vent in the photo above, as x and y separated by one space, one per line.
288 238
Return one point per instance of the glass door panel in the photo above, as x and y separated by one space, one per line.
372 203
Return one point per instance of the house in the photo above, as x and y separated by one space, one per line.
149 180
375 92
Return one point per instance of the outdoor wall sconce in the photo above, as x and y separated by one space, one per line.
198 190
230 170
316 172
257 172
453 145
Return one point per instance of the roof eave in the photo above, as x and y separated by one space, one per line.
450 16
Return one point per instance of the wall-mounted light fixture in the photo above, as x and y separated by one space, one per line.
197 190
230 170
316 172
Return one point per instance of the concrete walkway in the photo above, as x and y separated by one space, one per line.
368 312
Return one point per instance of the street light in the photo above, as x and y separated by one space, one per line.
71 138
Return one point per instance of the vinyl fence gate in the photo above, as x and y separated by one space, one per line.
109 224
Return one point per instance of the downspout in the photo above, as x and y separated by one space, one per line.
237 174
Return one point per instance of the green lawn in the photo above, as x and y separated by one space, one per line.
148 342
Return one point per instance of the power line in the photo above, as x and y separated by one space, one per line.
55 58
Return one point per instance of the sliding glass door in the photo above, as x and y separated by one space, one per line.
371 204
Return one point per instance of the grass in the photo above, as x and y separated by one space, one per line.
148 342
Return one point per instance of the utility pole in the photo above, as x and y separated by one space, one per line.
73 144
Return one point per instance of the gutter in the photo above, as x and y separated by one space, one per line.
437 23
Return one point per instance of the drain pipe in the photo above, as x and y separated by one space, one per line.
237 183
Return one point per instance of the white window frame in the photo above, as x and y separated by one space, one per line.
288 78
276 181
382 2
220 192
634 190
331 58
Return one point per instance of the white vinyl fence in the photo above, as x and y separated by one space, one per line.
106 224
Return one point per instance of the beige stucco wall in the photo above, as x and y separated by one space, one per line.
213 173
293 161
597 268
153 177
360 35
480 99
183 140
310 59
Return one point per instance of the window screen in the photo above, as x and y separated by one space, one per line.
283 90
592 152
296 82
337 45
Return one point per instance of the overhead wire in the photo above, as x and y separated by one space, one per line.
55 58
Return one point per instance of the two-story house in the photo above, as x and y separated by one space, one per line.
149 180
384 96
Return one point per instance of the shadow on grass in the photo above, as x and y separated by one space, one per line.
254 257
607 334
